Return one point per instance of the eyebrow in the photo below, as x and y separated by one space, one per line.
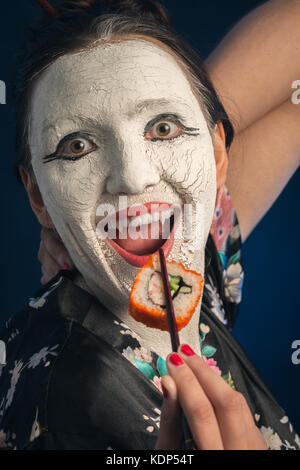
152 103
138 108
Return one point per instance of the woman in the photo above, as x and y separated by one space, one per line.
124 108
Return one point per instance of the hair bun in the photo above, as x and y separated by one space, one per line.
152 9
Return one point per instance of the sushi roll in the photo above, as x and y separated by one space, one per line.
147 302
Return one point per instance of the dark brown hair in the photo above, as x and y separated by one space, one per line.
79 24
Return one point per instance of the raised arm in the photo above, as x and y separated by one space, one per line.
253 69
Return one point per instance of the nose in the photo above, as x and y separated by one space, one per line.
131 172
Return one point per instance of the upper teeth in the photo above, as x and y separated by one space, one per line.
144 219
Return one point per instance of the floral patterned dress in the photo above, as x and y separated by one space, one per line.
76 377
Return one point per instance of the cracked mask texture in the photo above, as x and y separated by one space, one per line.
99 92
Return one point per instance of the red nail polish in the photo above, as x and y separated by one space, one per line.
187 350
65 266
176 360
165 391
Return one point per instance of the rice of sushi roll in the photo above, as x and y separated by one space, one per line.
147 303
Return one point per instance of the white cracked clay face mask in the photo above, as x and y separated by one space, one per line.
120 120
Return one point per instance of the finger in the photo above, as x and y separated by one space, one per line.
49 266
56 249
197 408
48 272
170 432
228 404
255 439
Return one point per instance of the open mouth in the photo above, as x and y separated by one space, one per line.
139 231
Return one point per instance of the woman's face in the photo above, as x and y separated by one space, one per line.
121 120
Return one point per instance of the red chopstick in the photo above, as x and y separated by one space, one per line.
47 7
169 303
188 441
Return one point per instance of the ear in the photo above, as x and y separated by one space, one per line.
221 155
35 199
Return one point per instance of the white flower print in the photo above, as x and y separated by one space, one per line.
142 354
288 446
272 439
19 366
36 429
15 372
123 325
297 440
216 302
2 353
235 233
2 406
4 444
284 420
129 354
155 420
233 282
14 333
204 328
41 356
157 382
130 333
37 303
40 301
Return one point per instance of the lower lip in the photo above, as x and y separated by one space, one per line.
139 261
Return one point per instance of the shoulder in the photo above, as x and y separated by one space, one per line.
81 392
33 339
30 334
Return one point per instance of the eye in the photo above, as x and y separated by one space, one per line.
164 130
76 147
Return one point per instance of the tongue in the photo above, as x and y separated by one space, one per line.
142 243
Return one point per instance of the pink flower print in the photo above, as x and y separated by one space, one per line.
223 220
212 364
157 383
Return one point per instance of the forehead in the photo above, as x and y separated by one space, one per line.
111 77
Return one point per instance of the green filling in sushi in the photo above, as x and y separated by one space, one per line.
156 292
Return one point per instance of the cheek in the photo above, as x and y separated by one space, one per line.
71 188
190 166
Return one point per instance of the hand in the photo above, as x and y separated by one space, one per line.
53 255
219 417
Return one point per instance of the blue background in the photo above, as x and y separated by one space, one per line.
269 320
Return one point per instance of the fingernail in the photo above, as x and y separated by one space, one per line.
187 350
65 266
164 391
176 360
